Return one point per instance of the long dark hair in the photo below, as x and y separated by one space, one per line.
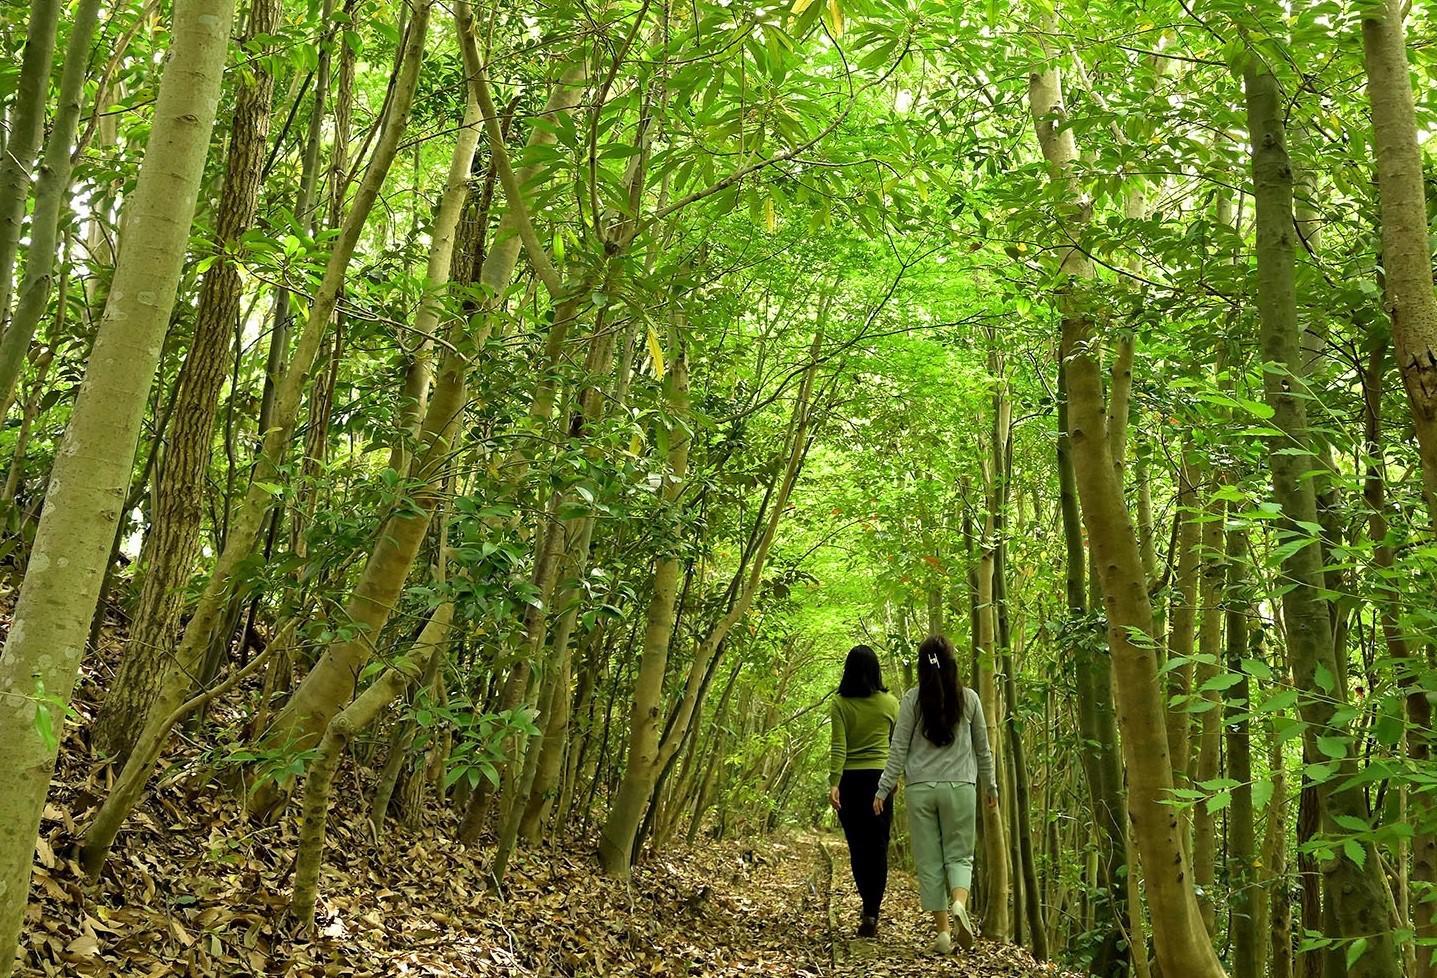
861 675
940 694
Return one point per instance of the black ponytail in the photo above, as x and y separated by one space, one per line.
940 694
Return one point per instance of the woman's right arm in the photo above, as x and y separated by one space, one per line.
981 751
837 744
897 749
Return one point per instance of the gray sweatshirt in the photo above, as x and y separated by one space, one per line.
966 760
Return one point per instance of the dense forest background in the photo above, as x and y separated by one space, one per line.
498 421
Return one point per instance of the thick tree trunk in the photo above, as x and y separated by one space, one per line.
94 464
1406 251
1178 933
172 544
1358 893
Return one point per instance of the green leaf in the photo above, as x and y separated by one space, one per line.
1355 852
1355 950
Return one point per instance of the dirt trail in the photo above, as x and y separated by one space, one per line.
901 949
196 890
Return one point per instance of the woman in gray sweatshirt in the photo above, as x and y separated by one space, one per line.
940 746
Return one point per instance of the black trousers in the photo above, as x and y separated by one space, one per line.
867 836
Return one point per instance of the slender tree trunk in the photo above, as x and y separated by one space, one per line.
319 778
27 122
1207 751
30 410
616 843
997 867
1243 858
648 753
52 185
1407 662
172 544
93 467
1406 251
1358 893
1178 934
1182 630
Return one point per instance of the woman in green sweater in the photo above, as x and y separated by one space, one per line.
863 715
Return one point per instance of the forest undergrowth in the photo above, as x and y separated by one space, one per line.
199 889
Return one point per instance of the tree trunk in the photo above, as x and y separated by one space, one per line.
648 753
1182 629
1178 934
1406 251
172 544
616 842
1358 893
93 466
1407 663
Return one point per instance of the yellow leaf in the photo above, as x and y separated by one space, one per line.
656 353
636 444
835 15
799 6
770 220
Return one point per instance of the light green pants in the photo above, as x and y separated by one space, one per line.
941 826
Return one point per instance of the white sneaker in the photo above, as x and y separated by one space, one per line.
964 925
942 944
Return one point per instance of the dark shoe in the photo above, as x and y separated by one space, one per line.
869 927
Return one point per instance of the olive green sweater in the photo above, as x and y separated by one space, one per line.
861 731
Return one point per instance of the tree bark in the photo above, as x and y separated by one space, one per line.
93 466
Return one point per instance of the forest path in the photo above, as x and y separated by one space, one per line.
901 950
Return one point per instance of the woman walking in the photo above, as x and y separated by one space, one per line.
863 714
940 746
